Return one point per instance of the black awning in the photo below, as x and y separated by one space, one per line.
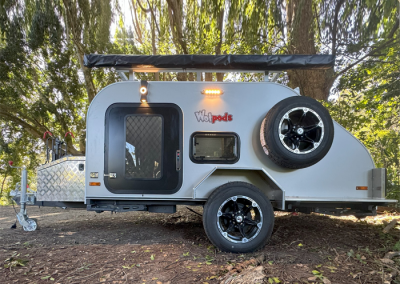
216 62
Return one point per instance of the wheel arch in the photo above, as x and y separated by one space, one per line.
255 176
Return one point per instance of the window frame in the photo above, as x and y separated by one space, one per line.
214 161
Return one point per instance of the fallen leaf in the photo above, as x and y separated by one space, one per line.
387 261
326 281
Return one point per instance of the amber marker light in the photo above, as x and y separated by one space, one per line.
94 184
362 187
212 92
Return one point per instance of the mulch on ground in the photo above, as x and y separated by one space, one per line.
76 246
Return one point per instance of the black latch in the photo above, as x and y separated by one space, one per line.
178 160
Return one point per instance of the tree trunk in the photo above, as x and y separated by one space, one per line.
181 76
90 88
208 77
220 27
82 143
300 21
153 44
74 32
191 76
2 184
175 19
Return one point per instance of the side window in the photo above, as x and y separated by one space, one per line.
214 148
143 146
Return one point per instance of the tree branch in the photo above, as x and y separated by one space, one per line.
395 27
37 131
335 23
136 23
71 20
371 53
31 129
154 17
143 9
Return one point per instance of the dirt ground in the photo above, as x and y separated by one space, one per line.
76 246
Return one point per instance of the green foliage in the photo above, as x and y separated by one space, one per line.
396 247
369 107
14 261
41 86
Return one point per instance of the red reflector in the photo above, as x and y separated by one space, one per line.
362 187
94 184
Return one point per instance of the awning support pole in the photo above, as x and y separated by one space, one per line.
132 76
122 76
275 76
266 79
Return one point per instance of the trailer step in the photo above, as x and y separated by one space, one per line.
115 208
126 206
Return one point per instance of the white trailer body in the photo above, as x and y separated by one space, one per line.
154 145
335 178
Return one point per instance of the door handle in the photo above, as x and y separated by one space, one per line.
178 160
111 175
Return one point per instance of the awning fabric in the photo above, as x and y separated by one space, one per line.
217 62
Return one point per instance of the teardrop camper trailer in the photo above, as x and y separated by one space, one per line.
241 150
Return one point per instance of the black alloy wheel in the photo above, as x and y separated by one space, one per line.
238 217
297 132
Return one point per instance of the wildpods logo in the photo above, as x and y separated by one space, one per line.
202 116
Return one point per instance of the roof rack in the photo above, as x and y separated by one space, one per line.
207 63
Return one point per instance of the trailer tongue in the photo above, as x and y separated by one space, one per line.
241 150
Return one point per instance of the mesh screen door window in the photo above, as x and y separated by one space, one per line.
143 153
215 148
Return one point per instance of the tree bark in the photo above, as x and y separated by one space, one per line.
300 21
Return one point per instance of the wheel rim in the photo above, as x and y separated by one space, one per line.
301 130
32 225
239 219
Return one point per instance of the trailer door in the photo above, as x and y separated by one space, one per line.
143 143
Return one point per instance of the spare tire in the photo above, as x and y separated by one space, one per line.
297 132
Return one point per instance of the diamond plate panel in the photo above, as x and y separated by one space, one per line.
143 146
61 180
